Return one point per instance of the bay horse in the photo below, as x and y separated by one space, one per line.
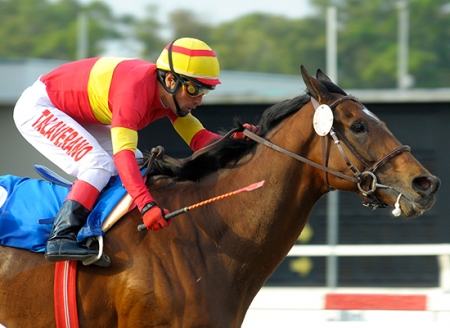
206 268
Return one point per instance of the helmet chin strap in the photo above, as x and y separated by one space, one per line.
173 92
179 112
161 79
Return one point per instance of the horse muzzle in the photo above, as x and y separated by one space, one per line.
414 201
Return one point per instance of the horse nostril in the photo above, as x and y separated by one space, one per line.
423 183
426 185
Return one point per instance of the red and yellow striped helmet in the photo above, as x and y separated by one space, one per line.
192 58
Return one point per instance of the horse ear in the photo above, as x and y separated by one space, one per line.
316 89
321 76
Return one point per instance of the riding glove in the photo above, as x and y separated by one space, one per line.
252 128
153 217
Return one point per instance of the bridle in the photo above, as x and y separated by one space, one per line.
366 180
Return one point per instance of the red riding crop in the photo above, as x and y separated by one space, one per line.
251 187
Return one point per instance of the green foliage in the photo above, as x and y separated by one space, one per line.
147 31
186 23
45 29
367 37
430 42
368 42
267 43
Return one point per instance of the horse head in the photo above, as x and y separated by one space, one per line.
359 143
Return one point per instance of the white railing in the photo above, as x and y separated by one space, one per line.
441 251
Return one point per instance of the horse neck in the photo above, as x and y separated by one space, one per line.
260 227
292 187
238 240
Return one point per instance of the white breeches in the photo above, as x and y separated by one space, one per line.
83 151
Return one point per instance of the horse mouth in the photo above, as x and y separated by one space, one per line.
409 206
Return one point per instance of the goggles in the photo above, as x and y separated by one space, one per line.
195 88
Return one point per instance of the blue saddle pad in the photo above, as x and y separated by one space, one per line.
26 217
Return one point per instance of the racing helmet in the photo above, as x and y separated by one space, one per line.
191 58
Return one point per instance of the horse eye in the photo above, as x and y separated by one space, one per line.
358 127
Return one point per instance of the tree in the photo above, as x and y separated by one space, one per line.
187 23
147 31
429 43
45 29
268 43
368 45
367 37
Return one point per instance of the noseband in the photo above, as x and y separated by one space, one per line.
366 180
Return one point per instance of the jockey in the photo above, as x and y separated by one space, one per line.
84 116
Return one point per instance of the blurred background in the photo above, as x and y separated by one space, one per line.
394 55
251 36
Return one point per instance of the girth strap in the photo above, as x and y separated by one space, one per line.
65 296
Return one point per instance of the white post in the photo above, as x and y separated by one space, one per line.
332 197
403 78
82 37
331 54
444 272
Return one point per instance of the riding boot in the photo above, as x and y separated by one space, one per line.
62 244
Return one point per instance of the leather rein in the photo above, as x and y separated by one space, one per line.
366 180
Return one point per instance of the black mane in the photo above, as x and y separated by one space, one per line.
231 151
228 154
